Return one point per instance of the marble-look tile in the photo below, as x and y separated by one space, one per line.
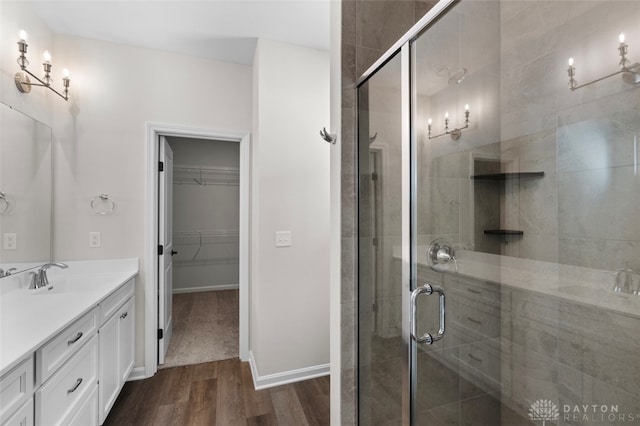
365 57
484 409
598 204
348 270
348 336
384 22
599 253
348 397
348 63
348 30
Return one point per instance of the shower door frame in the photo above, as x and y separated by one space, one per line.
403 47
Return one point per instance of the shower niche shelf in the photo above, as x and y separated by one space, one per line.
503 232
507 176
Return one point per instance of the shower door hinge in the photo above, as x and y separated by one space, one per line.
160 333
160 250
161 166
374 176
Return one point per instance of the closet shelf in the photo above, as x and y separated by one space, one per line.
508 176
503 232
202 176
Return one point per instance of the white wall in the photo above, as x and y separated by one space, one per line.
212 206
99 138
290 286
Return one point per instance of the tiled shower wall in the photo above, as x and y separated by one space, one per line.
369 28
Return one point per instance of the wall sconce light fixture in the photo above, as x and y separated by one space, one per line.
455 133
630 72
23 82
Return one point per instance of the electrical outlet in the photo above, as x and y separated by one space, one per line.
283 239
94 239
10 241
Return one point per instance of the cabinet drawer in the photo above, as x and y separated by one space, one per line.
65 390
55 352
22 417
112 303
86 414
15 388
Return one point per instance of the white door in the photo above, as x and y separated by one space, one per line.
165 240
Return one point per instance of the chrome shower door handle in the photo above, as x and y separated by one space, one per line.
426 338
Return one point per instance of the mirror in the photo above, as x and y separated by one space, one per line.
25 191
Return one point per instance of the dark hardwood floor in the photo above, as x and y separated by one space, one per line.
218 393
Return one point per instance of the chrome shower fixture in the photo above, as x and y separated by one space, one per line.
455 133
23 83
630 72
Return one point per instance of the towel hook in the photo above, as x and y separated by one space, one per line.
103 198
329 137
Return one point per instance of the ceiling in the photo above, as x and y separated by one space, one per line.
225 30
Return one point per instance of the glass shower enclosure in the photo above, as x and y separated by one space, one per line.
499 218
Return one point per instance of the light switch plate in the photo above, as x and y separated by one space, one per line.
283 239
10 241
94 239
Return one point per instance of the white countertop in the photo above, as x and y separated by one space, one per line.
586 286
29 318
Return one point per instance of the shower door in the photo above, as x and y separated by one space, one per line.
499 218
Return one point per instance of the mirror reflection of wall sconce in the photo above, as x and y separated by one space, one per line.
630 72
455 133
22 80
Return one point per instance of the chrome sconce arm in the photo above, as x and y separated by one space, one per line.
22 80
455 133
630 72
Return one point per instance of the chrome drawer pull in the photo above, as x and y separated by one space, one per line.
76 386
475 321
123 316
474 291
426 338
475 358
75 339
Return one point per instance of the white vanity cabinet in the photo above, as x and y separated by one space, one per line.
74 376
116 347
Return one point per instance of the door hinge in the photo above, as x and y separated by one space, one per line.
160 250
374 176
161 166
160 333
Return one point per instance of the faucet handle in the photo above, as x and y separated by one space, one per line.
33 280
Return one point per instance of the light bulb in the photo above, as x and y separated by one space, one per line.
621 37
429 122
47 56
466 107
446 115
23 35
65 73
570 62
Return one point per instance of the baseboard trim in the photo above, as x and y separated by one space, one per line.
286 377
138 373
206 288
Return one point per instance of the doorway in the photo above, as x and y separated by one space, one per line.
157 295
205 251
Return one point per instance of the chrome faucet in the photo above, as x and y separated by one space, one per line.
40 279
6 273
623 282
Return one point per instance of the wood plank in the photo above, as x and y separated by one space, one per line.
202 403
316 409
263 420
256 403
220 393
287 408
230 396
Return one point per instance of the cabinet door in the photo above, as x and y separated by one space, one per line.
126 318
109 359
